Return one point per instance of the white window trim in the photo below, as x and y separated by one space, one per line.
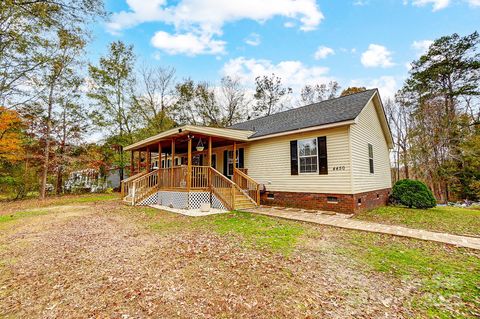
298 155
230 160
370 158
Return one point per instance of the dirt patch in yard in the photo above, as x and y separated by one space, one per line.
90 261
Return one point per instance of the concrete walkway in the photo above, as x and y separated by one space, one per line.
344 221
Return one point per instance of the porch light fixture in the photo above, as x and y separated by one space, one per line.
200 146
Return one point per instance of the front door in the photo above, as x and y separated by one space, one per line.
228 161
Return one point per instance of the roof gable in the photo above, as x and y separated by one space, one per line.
336 110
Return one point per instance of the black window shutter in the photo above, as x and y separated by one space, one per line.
241 154
322 155
225 162
293 158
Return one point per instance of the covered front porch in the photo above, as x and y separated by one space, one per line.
185 160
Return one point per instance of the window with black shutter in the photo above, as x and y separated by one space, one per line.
308 155
322 155
370 157
293 158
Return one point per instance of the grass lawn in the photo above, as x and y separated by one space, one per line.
104 259
447 279
8 206
254 230
448 282
454 220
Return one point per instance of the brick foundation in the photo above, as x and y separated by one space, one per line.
346 203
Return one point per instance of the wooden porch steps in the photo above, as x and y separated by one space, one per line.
242 201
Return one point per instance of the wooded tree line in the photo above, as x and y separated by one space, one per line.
435 119
54 98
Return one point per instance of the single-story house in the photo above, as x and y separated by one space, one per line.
332 155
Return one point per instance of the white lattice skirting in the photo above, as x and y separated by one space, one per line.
183 200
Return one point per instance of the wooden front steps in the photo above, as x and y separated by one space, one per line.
242 201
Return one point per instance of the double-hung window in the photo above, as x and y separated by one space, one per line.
370 158
308 156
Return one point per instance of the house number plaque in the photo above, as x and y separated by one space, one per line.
338 168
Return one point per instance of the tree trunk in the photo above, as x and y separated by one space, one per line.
59 188
47 145
405 164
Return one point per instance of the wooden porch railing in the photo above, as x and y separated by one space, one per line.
247 184
127 183
165 178
142 186
200 177
223 188
138 187
179 176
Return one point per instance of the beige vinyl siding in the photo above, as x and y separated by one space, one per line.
366 131
268 162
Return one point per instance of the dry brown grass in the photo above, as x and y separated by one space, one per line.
103 260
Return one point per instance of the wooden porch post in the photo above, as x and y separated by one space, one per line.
210 151
173 161
189 165
132 166
159 165
234 157
139 160
209 174
149 157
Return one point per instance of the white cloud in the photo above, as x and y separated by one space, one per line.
437 4
253 39
293 73
387 85
377 56
322 52
421 46
207 17
188 44
360 2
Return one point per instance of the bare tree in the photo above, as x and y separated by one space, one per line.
319 92
233 101
200 103
399 118
157 97
269 94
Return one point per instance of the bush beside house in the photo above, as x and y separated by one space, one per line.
412 193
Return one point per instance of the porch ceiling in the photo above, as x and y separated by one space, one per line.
220 137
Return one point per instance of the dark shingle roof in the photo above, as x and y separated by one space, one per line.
326 112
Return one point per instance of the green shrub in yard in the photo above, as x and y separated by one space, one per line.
412 193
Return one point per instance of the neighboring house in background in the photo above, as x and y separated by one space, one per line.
331 155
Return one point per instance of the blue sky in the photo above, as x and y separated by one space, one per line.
357 42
